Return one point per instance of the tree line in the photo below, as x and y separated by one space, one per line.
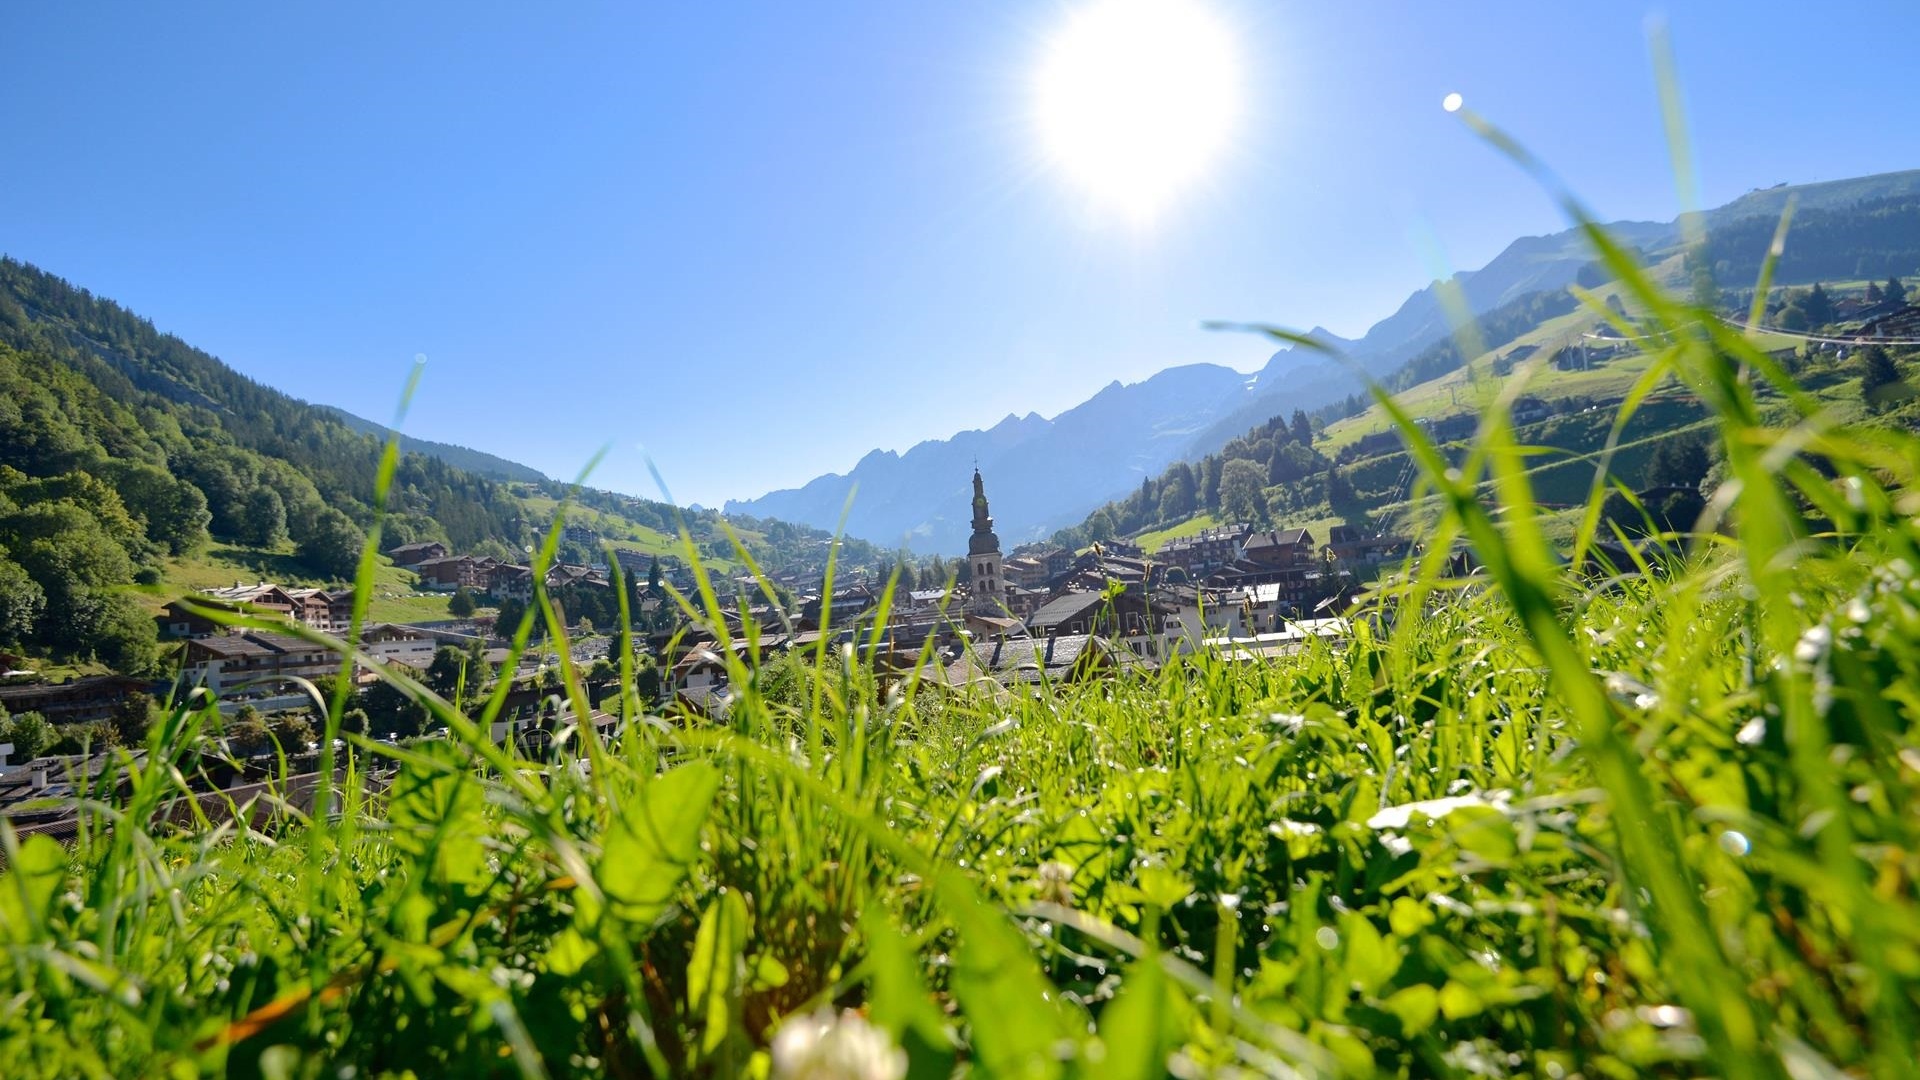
1871 240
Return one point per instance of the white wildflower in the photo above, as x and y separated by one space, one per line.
824 1046
1055 881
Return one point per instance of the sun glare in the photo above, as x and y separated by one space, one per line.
1136 99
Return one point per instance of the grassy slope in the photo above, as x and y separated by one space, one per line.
1466 388
1154 539
395 597
628 534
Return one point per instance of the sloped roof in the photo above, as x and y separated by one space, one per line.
255 643
1065 609
1279 538
1061 657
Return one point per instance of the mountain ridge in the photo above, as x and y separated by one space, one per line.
921 492
464 457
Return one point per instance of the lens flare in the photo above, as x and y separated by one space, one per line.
1135 99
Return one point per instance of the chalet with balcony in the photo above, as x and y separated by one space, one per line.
414 554
455 572
221 662
1278 548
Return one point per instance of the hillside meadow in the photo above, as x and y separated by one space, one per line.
1555 819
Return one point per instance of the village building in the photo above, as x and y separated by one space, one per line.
179 620
327 611
560 575
1059 560
1206 549
1056 660
411 554
455 572
1125 613
1290 638
397 644
222 662
90 697
1278 548
1901 323
1028 571
507 581
1350 547
323 610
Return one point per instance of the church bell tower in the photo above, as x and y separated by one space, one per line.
988 588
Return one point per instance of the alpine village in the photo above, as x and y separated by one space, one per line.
1521 683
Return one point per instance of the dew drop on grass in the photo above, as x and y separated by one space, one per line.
1813 644
1734 844
1328 937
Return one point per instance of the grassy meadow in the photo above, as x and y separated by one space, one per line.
1542 821
395 595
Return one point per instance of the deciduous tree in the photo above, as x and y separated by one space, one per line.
1242 496
263 518
333 546
29 733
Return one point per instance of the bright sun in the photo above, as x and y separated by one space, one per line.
1136 98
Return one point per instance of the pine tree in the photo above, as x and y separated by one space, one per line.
461 604
1339 489
1681 462
1818 306
1894 290
1878 375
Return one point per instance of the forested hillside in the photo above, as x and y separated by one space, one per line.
269 465
1871 240
460 457
121 445
86 501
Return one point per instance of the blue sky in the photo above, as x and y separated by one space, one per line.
756 241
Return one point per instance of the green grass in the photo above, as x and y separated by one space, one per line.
616 529
1523 824
1465 389
431 607
395 596
223 564
1154 539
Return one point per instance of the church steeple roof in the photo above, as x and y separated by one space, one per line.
983 541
